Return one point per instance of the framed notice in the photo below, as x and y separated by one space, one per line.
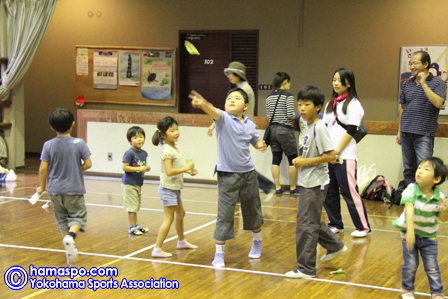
438 67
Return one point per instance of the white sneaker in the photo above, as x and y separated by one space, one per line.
297 274
70 248
335 230
360 234
134 230
142 229
407 295
330 256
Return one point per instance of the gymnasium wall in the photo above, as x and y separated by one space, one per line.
379 149
363 35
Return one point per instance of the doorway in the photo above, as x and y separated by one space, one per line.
205 72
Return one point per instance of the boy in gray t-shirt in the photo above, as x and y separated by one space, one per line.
316 152
61 166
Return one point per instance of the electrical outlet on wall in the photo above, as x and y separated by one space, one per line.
109 156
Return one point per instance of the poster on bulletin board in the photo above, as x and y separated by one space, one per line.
157 74
129 73
126 75
438 67
105 69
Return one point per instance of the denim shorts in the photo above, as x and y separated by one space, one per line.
169 197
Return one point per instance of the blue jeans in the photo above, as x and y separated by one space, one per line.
414 148
428 252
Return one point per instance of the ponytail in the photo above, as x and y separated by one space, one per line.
157 138
279 78
162 126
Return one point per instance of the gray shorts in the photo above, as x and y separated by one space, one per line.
169 197
132 197
231 187
283 139
69 210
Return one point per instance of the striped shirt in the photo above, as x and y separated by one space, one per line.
420 115
425 211
284 113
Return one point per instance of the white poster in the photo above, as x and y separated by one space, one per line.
105 69
129 69
82 62
438 67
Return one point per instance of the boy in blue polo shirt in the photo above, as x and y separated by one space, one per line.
237 178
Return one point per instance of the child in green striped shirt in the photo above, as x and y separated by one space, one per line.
424 204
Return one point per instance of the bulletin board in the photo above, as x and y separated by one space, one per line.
438 67
126 75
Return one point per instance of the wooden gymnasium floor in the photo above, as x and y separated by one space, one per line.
28 236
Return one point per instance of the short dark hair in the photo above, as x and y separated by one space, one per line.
424 57
134 131
61 119
242 92
440 169
312 93
279 78
162 126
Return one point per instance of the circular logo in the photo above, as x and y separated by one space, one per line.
16 277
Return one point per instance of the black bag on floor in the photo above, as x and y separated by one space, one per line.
378 189
396 196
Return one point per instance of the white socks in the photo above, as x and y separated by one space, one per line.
256 236
220 248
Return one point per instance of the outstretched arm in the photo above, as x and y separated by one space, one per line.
199 102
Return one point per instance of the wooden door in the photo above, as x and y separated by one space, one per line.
205 72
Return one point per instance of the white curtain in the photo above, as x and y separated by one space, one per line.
25 23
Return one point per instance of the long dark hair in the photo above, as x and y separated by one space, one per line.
279 78
162 126
346 76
